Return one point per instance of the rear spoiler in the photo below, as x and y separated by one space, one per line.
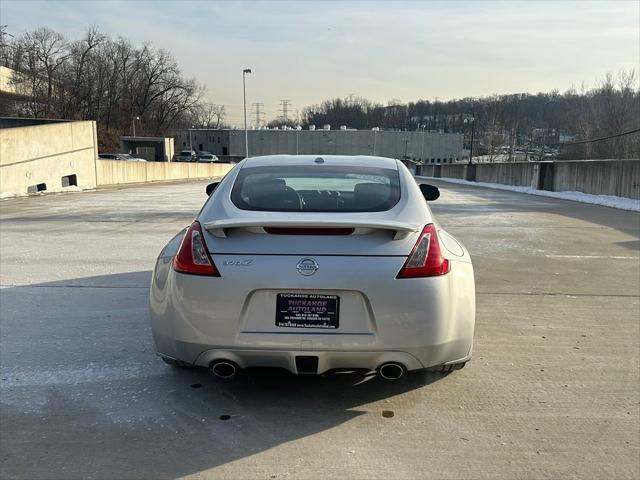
401 230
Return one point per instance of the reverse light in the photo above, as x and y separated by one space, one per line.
426 258
193 257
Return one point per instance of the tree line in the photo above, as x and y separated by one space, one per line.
107 80
563 123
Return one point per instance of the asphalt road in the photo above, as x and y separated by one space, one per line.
553 390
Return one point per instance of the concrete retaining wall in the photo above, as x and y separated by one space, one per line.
36 158
60 156
599 177
452 171
117 172
620 178
519 174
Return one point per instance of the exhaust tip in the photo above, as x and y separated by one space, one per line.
392 371
224 369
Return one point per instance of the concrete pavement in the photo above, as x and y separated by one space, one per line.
552 392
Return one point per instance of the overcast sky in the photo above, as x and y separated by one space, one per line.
310 51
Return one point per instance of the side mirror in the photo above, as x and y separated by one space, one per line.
429 192
211 187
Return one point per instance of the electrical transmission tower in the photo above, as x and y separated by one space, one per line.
285 109
258 113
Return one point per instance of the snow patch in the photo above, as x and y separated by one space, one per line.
4 195
604 200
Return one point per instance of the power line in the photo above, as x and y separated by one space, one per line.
602 138
285 108
258 114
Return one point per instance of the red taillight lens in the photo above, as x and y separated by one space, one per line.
193 256
426 258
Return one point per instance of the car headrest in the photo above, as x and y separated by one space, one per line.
370 195
253 187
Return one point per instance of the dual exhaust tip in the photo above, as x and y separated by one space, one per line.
392 371
226 370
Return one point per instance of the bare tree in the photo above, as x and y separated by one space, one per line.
209 115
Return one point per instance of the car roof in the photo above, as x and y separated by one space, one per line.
349 160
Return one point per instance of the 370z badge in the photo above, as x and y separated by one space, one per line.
238 263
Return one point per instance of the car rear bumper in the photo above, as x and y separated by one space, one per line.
326 359
418 322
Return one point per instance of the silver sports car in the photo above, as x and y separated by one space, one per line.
315 263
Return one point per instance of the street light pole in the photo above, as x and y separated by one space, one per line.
244 103
190 142
133 123
471 120
473 129
374 141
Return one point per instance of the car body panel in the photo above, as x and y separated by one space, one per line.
419 322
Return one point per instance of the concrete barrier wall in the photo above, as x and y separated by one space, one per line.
452 171
62 156
519 173
426 170
619 178
117 172
41 155
599 177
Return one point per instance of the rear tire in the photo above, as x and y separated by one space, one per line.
175 363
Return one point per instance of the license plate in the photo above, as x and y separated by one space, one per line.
307 310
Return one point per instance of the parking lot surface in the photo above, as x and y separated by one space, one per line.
552 391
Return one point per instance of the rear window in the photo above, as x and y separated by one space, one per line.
316 188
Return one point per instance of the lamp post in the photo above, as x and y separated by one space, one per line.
133 123
375 130
472 121
244 103
190 142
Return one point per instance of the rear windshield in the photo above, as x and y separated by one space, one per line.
316 188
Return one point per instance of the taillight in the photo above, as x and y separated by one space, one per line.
426 258
193 256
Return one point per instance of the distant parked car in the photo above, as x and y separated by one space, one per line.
120 156
186 156
131 158
206 157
